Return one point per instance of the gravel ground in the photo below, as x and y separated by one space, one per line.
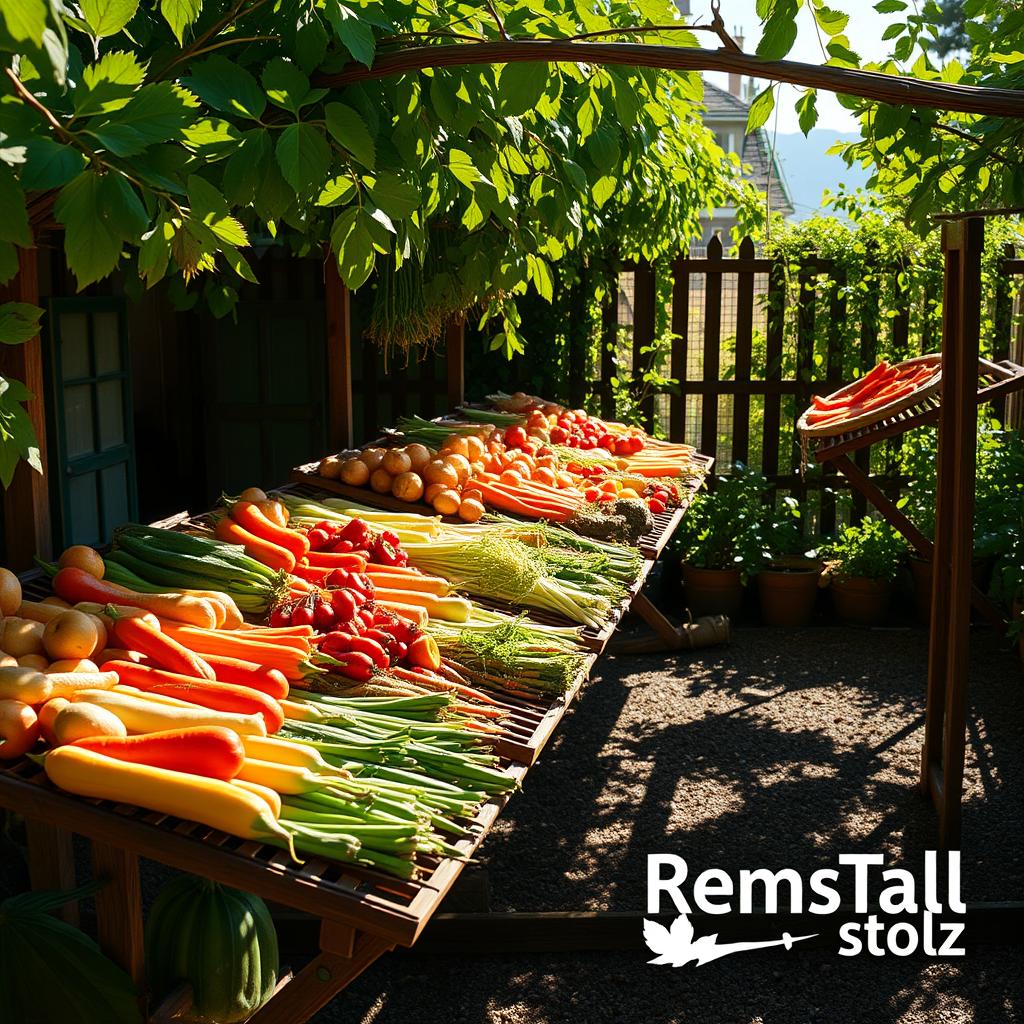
782 749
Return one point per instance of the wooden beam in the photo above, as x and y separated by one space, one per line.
339 358
51 862
27 501
946 708
455 346
119 908
866 84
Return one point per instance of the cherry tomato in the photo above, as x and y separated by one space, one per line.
302 615
281 616
656 505
318 539
324 618
343 546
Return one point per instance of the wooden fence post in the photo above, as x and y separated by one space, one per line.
942 757
27 529
744 355
576 331
712 348
1002 322
339 358
455 345
680 345
773 367
644 295
609 347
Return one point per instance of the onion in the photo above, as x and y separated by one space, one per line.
440 472
395 461
432 491
455 444
355 472
475 449
447 503
372 457
380 481
470 510
407 487
461 466
419 456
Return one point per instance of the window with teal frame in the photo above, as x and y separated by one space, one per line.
92 464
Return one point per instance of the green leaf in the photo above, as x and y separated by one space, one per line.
352 244
807 111
520 87
19 322
24 20
121 208
108 17
109 84
212 137
179 14
18 442
779 31
286 84
349 130
155 251
336 192
888 120
9 264
761 109
355 34
91 245
604 188
897 28
890 6
244 168
303 156
461 165
209 207
157 113
830 21
310 41
393 195
13 214
228 87
49 164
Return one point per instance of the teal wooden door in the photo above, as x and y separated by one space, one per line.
266 392
92 464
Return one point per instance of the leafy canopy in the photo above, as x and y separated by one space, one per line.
174 134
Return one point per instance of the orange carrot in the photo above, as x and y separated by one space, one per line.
252 518
265 551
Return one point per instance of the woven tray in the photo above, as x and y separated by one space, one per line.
918 395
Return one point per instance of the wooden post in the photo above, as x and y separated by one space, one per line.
609 345
119 908
643 334
27 501
712 348
744 352
51 862
942 758
773 368
339 358
680 344
455 345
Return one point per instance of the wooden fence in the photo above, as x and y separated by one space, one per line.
747 361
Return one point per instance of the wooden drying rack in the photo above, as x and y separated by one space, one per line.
363 913
995 380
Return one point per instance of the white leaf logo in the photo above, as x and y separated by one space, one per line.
676 945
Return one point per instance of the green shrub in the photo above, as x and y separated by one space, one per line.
872 549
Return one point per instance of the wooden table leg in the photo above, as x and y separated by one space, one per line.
344 955
119 908
51 862
666 636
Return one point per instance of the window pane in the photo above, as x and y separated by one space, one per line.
114 481
105 332
78 420
74 345
84 508
109 395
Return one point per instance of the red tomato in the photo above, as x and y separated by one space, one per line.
656 505
302 616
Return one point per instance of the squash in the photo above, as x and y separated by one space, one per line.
220 940
50 971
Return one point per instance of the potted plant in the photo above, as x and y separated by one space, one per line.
722 542
862 563
788 583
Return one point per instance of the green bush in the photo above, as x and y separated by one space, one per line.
872 549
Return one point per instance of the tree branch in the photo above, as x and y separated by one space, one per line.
892 89
47 115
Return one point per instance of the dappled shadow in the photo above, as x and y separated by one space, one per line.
782 749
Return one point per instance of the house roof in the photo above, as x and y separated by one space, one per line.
765 171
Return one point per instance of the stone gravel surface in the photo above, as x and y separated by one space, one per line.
780 750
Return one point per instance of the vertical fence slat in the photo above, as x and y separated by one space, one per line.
744 354
806 318
680 345
773 367
609 347
712 348
1003 323
428 383
833 380
868 355
644 295
576 329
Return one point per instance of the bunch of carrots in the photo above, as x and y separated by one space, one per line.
881 386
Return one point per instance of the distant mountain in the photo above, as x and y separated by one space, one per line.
809 169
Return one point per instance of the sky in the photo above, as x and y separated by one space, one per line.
864 31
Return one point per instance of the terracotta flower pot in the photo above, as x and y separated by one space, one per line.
788 595
861 602
713 591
